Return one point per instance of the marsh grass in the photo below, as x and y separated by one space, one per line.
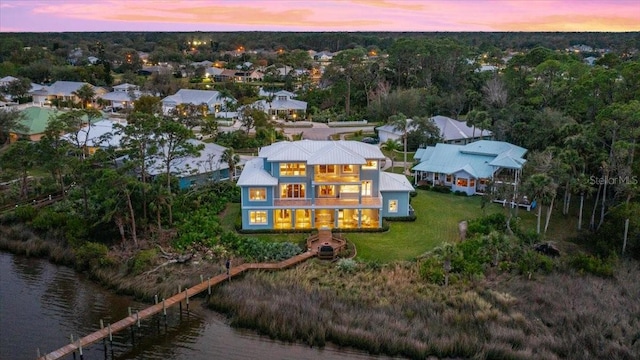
390 310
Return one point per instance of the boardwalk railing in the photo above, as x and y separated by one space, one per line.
166 303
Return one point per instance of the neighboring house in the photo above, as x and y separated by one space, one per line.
62 90
213 100
7 80
93 60
469 168
213 72
451 131
282 105
100 135
311 184
35 122
198 170
122 96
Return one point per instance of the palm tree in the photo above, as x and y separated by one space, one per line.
85 93
543 189
404 125
391 146
230 157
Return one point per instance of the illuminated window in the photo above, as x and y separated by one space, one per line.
326 169
327 190
257 194
393 206
293 169
462 182
353 189
366 188
292 191
370 165
472 183
347 169
257 217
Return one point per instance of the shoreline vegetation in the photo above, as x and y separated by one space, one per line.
396 309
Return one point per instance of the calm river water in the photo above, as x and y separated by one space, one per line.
42 304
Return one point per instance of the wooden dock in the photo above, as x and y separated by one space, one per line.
167 303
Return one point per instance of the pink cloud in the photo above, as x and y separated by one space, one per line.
325 15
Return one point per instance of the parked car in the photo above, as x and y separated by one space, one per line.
369 140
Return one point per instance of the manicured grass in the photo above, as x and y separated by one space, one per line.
437 221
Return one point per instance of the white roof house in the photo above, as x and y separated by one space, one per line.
197 169
64 90
312 152
101 134
122 95
282 104
214 101
451 131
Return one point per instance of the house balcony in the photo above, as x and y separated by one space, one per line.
367 201
337 179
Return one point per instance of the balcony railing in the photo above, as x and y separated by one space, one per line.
367 201
331 178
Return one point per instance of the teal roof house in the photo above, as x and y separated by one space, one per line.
468 168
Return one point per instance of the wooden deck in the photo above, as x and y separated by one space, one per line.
167 303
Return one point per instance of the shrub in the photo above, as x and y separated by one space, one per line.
531 261
91 255
431 270
143 259
347 265
441 189
49 219
26 213
486 224
585 263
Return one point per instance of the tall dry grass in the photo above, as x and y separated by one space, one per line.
391 311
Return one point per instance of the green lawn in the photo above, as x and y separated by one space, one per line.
437 221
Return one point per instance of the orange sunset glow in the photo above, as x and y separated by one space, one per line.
319 15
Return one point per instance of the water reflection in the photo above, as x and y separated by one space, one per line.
42 304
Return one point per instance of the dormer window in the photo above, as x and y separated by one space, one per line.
282 97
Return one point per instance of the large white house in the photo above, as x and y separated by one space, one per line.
214 101
451 131
281 104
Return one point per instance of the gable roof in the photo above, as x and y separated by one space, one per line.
253 174
36 120
479 159
316 152
101 134
65 88
394 182
195 97
279 104
450 129
207 161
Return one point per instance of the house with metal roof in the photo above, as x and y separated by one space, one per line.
102 134
63 91
122 96
282 105
451 131
214 101
312 184
207 166
469 168
33 123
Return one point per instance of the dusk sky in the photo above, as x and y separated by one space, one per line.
318 15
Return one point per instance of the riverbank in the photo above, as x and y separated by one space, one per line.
390 309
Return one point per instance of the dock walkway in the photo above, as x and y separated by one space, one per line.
166 303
